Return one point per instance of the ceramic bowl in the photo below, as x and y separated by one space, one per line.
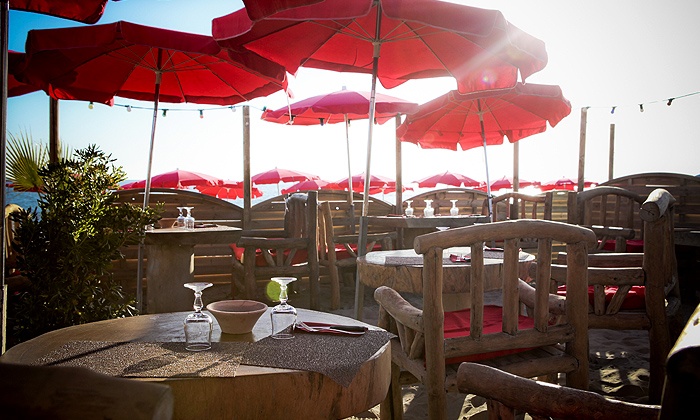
237 316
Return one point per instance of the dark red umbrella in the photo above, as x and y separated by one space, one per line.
140 62
178 179
483 118
277 175
313 184
341 106
85 11
506 183
358 182
393 40
16 62
448 178
257 9
565 183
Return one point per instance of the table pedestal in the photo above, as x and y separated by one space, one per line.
175 267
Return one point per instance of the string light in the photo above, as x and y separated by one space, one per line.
128 108
165 113
201 113
612 111
321 120
670 101
91 105
641 107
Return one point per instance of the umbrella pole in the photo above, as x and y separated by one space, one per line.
4 24
147 191
362 240
347 145
486 161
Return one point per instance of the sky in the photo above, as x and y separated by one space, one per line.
602 54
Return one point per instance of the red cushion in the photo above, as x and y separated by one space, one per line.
341 253
457 325
633 245
633 300
299 256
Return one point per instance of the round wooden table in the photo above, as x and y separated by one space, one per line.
254 392
402 270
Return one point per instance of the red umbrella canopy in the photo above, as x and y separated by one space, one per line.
124 59
416 39
454 119
313 184
258 9
85 11
358 182
277 175
227 190
178 178
565 183
506 183
16 62
333 108
448 178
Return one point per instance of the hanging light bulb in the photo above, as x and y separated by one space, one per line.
612 111
128 108
641 107
201 113
165 112
91 105
670 101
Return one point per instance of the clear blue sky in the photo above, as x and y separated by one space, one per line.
601 53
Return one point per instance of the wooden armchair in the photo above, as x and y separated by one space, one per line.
430 341
516 205
612 214
337 248
507 393
633 291
291 253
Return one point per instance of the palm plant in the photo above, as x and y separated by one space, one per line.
24 159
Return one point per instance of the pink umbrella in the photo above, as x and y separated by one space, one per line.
565 183
312 184
506 183
227 190
358 182
276 175
448 178
178 179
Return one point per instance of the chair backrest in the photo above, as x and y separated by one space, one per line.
613 212
514 205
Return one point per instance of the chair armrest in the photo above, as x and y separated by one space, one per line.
545 399
613 231
556 304
402 311
609 259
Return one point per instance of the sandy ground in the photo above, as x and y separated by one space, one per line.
619 362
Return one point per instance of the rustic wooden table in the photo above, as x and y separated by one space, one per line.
170 254
255 392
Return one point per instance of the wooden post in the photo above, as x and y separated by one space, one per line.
582 147
611 155
399 178
247 187
54 141
516 166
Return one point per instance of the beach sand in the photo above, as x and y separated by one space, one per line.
619 361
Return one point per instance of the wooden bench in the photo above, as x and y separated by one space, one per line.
212 262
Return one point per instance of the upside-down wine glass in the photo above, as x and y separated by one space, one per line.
454 211
428 211
198 325
180 218
284 315
189 220
409 209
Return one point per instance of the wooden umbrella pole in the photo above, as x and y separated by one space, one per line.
347 145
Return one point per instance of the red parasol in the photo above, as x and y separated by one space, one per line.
565 183
393 40
484 118
16 61
358 182
227 190
448 178
506 183
276 175
313 184
177 179
84 11
341 106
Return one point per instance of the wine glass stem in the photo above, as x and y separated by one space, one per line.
198 301
283 294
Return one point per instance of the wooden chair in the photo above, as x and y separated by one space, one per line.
428 347
611 213
66 392
291 253
639 291
337 248
507 393
514 205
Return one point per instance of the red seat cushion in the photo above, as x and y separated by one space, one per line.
633 300
300 256
457 325
633 245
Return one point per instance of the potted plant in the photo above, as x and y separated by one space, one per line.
66 246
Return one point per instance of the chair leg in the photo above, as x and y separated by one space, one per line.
335 287
392 406
498 411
